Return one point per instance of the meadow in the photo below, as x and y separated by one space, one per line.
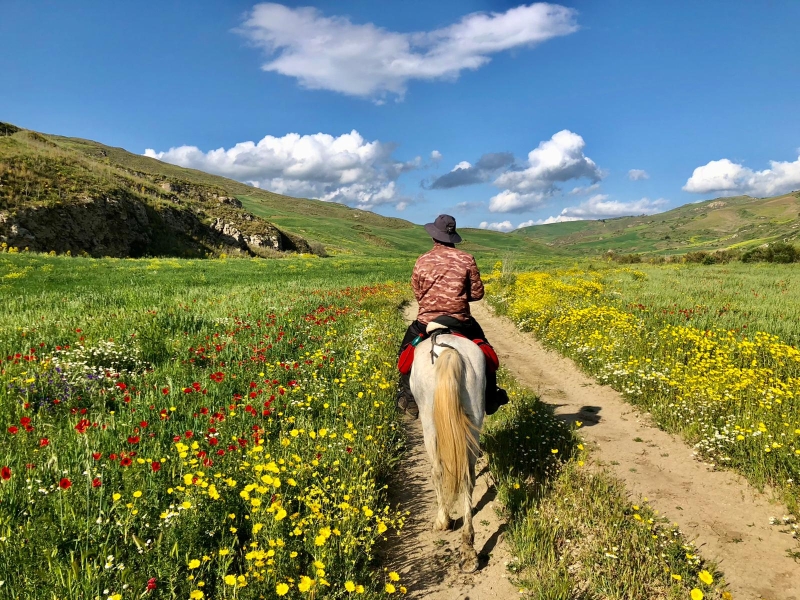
226 429
709 350
218 429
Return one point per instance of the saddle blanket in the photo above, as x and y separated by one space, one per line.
406 358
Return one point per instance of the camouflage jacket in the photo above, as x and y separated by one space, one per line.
445 281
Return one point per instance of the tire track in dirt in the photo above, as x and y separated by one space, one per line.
719 510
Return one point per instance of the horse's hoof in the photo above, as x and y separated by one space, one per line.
442 525
469 564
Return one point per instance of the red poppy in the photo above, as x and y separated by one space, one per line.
143 424
133 439
65 483
13 430
151 583
97 455
82 425
5 473
156 466
25 421
44 442
96 482
188 434
126 462
218 376
165 391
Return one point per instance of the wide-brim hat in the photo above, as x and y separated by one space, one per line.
443 229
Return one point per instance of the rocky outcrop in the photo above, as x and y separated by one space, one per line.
270 238
125 226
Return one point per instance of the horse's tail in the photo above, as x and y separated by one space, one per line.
456 436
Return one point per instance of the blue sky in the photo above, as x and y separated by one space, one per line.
497 112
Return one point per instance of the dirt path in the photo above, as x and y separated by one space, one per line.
427 560
725 516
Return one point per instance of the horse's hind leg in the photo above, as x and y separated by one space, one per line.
469 558
442 522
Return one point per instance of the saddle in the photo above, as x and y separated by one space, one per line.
440 326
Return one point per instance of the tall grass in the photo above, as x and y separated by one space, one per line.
219 429
710 351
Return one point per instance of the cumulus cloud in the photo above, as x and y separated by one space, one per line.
638 174
547 221
436 156
503 226
559 159
464 173
346 169
464 207
728 178
333 53
600 207
583 190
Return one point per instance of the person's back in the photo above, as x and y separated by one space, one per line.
445 280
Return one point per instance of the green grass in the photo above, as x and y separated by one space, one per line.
736 296
709 351
346 231
253 399
575 533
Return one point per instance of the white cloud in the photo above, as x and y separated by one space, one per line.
600 207
346 169
547 221
559 159
365 60
638 174
508 201
582 190
462 166
729 179
503 226
436 156
468 206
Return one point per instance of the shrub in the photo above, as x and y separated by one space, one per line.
711 258
626 259
318 249
777 252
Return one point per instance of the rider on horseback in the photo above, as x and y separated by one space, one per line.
445 281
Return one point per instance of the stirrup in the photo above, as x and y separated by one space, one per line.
498 399
408 406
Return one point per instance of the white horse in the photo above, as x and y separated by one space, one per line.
448 380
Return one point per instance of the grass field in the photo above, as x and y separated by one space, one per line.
226 429
197 429
709 351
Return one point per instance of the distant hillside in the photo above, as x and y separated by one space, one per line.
739 222
65 195
59 193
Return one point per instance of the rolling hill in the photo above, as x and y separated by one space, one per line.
70 194
51 184
738 222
